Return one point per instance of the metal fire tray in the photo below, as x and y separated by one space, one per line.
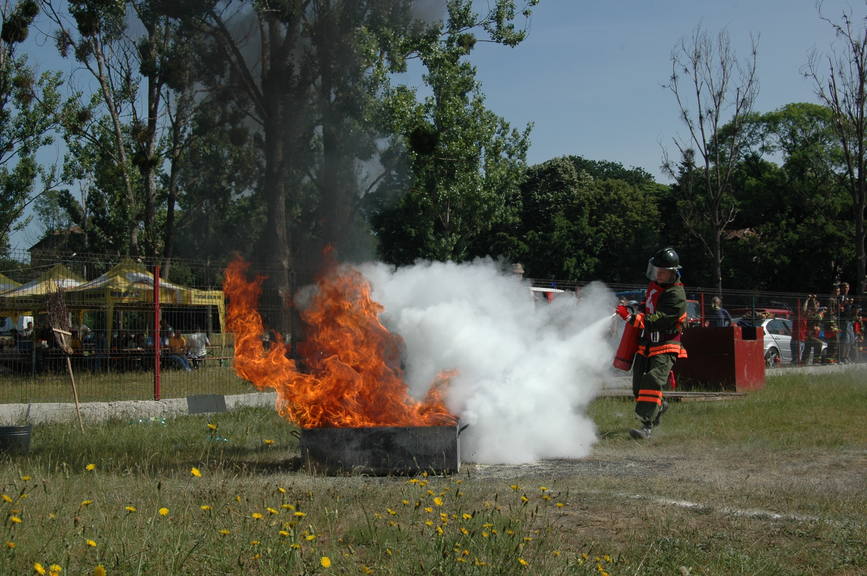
382 450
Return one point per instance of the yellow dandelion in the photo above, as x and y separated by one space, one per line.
388 552
559 504
440 530
204 507
267 442
543 488
238 498
86 503
10 545
295 546
464 531
510 532
325 562
90 467
15 519
99 570
254 542
288 506
164 511
196 472
300 514
524 499
485 535
52 515
466 516
438 501
90 543
515 487
428 509
281 490
428 522
391 512
224 532
212 426
607 558
272 511
405 502
310 537
556 553
283 533
39 568
256 515
26 478
523 562
55 568
366 570
6 498
130 509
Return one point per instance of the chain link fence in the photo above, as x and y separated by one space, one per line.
125 340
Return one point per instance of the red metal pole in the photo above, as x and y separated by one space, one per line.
157 332
701 313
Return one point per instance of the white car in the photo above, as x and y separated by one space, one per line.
778 339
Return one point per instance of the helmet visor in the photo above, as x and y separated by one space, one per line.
653 273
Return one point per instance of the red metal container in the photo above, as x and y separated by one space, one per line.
730 358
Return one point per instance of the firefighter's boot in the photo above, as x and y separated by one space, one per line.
662 410
642 433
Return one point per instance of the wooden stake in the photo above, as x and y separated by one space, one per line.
67 349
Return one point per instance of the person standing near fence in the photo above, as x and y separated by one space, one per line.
719 317
846 308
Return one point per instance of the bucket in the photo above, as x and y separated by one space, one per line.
15 439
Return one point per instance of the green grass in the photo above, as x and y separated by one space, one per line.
131 385
795 449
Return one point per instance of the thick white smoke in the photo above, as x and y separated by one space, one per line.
525 372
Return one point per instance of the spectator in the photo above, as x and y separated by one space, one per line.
799 338
719 317
831 325
813 346
178 350
846 307
197 347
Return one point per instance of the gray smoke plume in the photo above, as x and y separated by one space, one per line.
525 372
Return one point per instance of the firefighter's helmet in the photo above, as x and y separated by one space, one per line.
665 259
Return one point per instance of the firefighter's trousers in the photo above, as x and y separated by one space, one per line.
649 374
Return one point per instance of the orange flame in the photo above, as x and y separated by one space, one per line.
353 376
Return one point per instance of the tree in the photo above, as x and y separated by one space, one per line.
574 215
465 162
28 108
707 80
841 87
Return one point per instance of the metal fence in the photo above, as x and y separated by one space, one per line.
126 333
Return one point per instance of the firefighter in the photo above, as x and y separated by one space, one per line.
659 320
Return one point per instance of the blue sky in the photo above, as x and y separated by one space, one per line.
590 74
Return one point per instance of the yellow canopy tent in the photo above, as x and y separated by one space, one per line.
30 295
7 283
129 284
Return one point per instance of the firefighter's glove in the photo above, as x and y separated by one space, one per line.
623 312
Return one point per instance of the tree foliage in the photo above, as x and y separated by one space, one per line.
28 107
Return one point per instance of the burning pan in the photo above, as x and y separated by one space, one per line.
382 450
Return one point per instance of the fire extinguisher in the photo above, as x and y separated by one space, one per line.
628 342
627 348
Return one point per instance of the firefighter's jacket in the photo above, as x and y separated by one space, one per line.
661 320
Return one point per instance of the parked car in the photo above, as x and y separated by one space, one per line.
778 341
